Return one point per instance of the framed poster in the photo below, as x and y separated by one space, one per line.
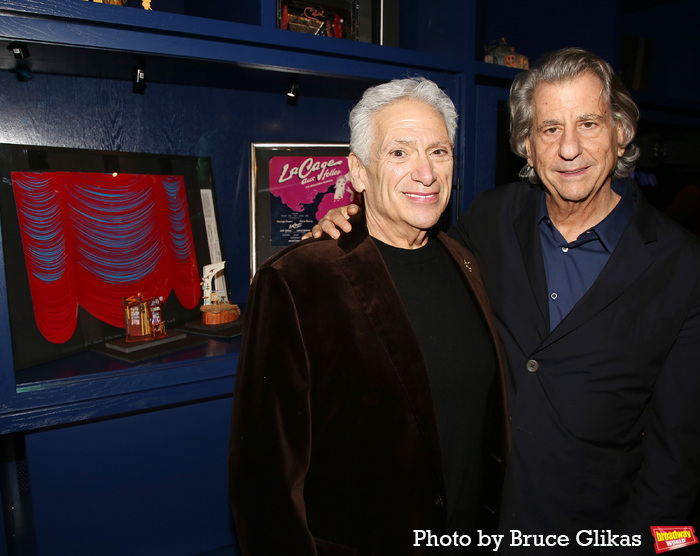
292 187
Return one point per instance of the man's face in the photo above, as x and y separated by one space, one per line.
408 180
574 144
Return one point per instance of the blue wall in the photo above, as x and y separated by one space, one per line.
148 484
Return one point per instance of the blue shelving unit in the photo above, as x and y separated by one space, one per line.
86 435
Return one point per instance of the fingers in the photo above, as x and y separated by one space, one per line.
333 222
328 226
316 231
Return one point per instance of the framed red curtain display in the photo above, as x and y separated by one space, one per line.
77 242
92 239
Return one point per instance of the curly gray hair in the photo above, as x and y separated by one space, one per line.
380 96
561 66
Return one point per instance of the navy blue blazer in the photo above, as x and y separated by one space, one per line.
605 409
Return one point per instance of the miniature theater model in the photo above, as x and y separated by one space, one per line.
216 309
143 320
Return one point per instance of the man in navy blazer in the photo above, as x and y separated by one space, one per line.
598 301
597 298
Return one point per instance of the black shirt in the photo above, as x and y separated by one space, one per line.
461 363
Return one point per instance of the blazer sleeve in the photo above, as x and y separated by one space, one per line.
270 442
667 485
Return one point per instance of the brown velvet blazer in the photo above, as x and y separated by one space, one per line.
334 445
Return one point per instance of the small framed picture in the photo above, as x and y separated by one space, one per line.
327 18
293 185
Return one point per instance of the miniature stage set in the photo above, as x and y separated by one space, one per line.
143 319
143 325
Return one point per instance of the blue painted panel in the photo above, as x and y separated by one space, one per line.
7 379
149 484
487 99
443 28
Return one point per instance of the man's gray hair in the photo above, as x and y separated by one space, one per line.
362 131
560 67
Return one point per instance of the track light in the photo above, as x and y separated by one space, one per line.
19 50
140 81
293 89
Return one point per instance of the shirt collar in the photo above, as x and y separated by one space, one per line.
610 229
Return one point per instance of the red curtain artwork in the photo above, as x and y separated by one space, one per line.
91 239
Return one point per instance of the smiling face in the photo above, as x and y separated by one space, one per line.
408 180
574 144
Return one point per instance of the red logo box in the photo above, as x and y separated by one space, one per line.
671 538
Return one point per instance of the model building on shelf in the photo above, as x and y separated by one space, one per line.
216 309
143 318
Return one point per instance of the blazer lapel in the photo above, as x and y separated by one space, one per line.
533 310
499 443
627 262
371 282
471 274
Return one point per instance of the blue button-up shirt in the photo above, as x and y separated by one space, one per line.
572 267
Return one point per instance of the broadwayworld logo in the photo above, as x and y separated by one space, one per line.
671 538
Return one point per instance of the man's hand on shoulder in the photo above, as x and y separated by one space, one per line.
335 220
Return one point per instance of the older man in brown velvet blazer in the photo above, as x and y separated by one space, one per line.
369 390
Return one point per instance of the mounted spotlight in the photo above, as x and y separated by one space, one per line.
293 88
139 81
292 91
19 50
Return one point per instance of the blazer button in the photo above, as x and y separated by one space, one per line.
439 502
532 366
